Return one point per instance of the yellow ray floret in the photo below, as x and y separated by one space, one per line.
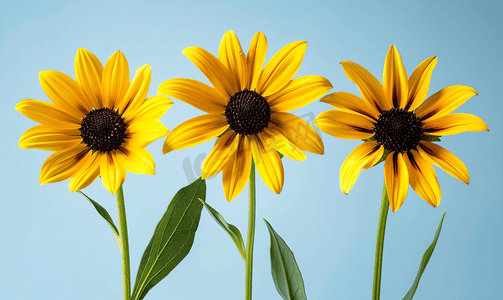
98 124
247 108
398 126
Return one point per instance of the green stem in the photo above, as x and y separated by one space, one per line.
251 233
124 243
381 228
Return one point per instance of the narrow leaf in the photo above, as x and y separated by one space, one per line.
173 237
232 230
103 213
431 138
383 157
284 269
424 262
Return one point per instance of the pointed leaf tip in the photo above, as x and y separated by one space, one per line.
284 269
172 239
424 262
103 213
231 230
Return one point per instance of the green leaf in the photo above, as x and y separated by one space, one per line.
431 138
173 237
232 230
383 157
103 213
284 269
424 262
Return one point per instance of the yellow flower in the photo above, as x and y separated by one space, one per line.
98 125
395 119
247 107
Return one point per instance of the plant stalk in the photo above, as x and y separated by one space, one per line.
251 233
124 243
381 228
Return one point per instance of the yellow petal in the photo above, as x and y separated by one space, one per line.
299 92
47 114
362 157
87 174
142 133
371 90
344 125
394 79
45 137
136 93
115 80
89 71
232 56
452 124
65 93
112 174
256 58
153 108
135 159
64 164
297 131
441 157
268 162
281 68
220 155
396 176
219 76
195 131
349 103
419 83
280 143
195 93
422 178
237 171
444 101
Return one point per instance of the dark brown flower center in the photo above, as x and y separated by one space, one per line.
398 130
103 129
247 112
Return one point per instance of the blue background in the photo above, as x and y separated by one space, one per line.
53 245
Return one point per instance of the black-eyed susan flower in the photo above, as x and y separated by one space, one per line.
395 120
98 124
247 108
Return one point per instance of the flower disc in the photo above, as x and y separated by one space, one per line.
247 112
